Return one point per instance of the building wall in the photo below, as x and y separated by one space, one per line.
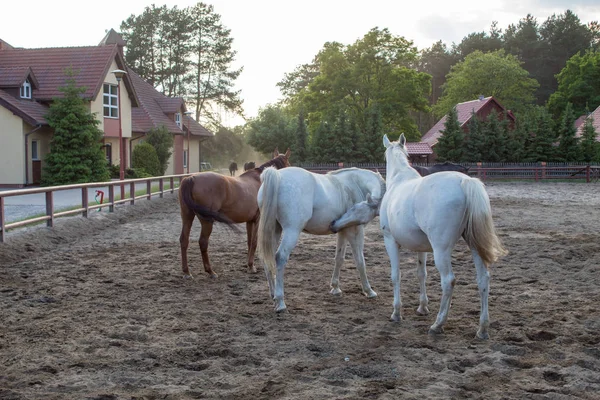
12 151
110 126
43 136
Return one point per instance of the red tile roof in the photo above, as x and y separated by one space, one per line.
91 65
29 110
464 111
596 122
15 76
418 148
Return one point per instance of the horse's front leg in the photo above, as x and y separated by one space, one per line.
340 253
203 242
187 219
288 242
393 251
443 262
483 282
252 232
356 237
422 274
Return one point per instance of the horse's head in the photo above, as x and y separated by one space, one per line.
358 214
284 159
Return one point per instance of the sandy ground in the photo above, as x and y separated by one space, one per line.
98 309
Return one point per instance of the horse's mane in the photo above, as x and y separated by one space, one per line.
278 162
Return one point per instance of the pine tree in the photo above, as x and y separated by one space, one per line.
474 142
494 141
76 154
300 152
450 144
373 135
516 141
590 148
542 144
568 148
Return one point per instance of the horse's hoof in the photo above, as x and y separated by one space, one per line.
336 291
188 276
422 311
213 275
280 306
252 269
396 317
436 330
482 335
370 294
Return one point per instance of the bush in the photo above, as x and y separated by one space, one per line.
144 158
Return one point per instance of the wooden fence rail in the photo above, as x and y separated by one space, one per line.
84 205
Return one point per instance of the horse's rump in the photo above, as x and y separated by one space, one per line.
204 213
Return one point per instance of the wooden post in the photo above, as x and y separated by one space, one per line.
149 189
543 170
587 173
50 209
2 220
479 170
132 193
111 198
161 187
84 201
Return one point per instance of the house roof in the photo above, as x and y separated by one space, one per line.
91 65
418 148
31 112
464 111
155 107
595 115
15 76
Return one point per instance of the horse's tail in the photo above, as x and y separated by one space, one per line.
185 199
480 232
267 226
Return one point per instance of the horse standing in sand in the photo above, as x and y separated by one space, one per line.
249 165
430 214
213 198
293 200
232 168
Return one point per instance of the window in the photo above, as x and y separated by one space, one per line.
110 101
35 150
26 90
178 119
185 158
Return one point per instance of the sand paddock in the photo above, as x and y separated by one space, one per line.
98 309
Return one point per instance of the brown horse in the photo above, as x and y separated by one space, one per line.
213 198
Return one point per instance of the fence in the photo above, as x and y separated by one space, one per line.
493 171
85 206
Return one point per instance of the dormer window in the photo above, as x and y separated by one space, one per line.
25 91
178 119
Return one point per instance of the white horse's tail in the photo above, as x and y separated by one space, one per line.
480 232
267 226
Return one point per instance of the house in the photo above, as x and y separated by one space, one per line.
482 107
595 116
30 79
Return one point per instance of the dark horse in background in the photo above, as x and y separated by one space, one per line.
213 197
232 168
446 166
249 165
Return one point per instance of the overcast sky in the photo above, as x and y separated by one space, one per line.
272 37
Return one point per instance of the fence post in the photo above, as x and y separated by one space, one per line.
543 170
2 220
50 208
111 198
161 187
479 170
587 173
84 201
132 193
149 189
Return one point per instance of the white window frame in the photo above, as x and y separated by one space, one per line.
35 155
110 100
25 91
178 119
185 159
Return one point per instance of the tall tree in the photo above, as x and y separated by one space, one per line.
436 61
568 147
494 139
162 141
272 128
475 142
76 154
578 84
450 144
472 77
590 148
479 41
543 137
300 151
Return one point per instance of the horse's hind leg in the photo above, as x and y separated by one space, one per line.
483 282
187 218
356 237
288 242
443 262
393 250
340 252
422 274
252 232
203 242
270 278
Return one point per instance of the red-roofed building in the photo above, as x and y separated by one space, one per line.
30 79
481 107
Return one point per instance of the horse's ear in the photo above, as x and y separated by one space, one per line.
288 153
402 140
386 141
275 152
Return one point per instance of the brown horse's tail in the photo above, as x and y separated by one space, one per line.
185 196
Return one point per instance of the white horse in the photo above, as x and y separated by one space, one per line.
430 214
293 200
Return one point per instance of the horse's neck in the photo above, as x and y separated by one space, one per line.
358 183
398 169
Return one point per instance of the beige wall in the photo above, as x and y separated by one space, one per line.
96 106
43 136
12 151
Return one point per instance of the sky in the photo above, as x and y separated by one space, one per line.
273 37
